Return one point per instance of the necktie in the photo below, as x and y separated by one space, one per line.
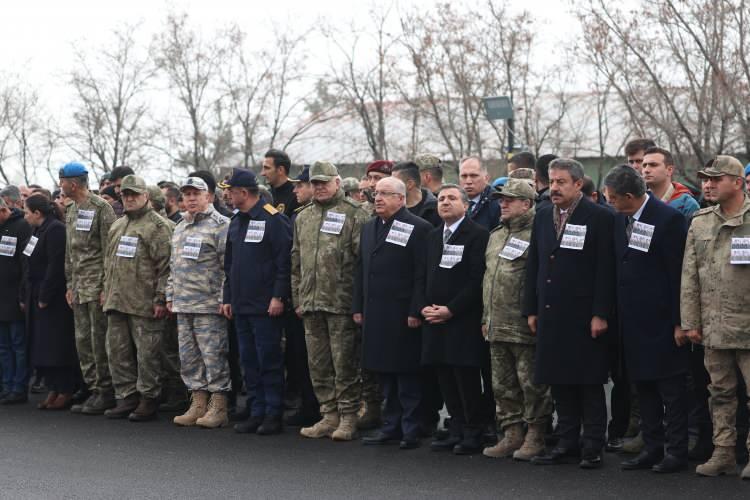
472 204
447 235
629 227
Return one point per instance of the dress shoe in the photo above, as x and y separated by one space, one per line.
470 446
614 445
145 411
670 464
236 415
556 456
250 426
51 396
15 398
409 443
591 460
122 408
61 402
446 444
271 425
645 460
380 437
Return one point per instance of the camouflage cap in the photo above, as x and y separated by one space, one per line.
195 183
425 161
350 184
522 173
723 165
133 183
323 171
516 188
155 195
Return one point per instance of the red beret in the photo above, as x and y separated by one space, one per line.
382 166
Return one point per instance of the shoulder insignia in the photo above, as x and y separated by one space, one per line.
270 209
218 218
280 207
299 209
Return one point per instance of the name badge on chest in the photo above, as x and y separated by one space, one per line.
255 231
740 251
513 248
85 220
127 246
640 238
399 233
574 236
333 223
8 246
30 246
452 255
192 248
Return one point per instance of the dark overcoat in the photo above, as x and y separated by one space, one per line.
11 273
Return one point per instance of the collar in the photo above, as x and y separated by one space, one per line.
332 202
393 217
137 214
453 227
668 193
637 215
200 215
522 221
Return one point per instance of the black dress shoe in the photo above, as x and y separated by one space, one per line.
670 464
271 425
446 444
555 457
409 443
15 398
468 447
614 445
250 426
379 437
591 460
645 460
239 415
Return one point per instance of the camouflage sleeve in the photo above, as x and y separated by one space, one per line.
295 263
68 263
486 287
161 252
106 219
690 305
107 259
360 218
221 249
170 284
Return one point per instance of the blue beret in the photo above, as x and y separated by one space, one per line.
747 170
73 169
240 178
500 181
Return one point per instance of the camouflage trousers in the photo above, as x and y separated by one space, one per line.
204 347
91 344
332 351
170 356
371 393
134 349
722 365
518 398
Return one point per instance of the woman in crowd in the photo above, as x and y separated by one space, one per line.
49 320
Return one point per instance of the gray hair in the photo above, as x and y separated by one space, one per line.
623 179
12 193
81 181
397 184
2 203
574 168
464 196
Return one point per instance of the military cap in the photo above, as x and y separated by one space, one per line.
155 195
133 183
304 176
522 173
382 166
350 184
72 169
323 171
425 161
240 178
723 165
747 169
195 183
516 188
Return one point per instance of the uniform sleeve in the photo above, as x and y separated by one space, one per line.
221 251
295 262
227 295
107 217
690 306
108 256
68 262
358 292
530 306
170 283
360 219
161 254
486 287
281 245
471 294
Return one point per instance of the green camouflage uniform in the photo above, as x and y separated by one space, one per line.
322 284
86 243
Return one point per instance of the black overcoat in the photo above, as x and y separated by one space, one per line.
11 272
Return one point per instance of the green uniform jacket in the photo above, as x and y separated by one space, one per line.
86 244
714 293
133 285
323 263
502 288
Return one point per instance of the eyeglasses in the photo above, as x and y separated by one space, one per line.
385 193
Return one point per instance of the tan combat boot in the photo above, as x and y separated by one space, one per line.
512 440
324 428
216 416
533 444
635 445
197 409
347 429
723 461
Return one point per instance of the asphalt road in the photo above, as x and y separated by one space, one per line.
61 455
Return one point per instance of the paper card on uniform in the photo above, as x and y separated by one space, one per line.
574 237
452 255
127 246
333 223
84 220
30 246
8 246
640 238
255 231
192 248
514 248
399 233
740 251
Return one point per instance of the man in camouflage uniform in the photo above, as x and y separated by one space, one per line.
324 253
87 219
194 293
135 279
431 171
512 348
714 300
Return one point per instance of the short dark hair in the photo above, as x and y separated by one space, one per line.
542 167
571 166
120 172
668 158
588 188
40 203
436 171
464 196
524 159
408 169
171 192
632 147
208 177
280 159
624 179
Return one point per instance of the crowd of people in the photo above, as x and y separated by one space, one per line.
348 305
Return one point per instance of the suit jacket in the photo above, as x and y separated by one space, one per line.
648 294
487 211
388 288
458 341
565 288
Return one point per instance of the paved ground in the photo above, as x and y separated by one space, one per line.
60 455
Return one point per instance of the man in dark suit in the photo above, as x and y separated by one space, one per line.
649 244
388 296
569 295
452 335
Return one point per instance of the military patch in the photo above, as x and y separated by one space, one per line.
269 208
280 207
218 218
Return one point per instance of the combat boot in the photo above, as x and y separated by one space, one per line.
635 445
217 415
347 429
370 417
533 444
723 461
745 472
100 404
512 440
122 409
145 411
198 404
324 428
